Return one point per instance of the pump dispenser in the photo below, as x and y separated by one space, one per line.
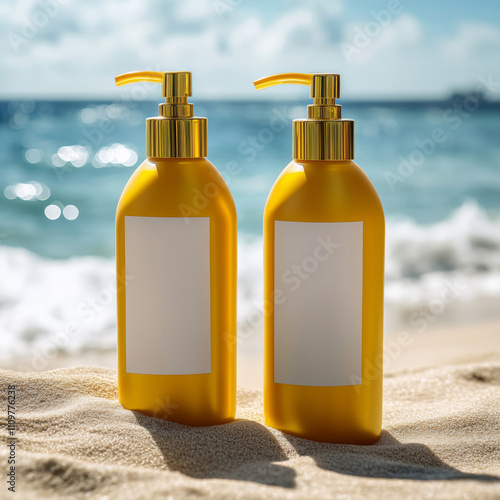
176 269
175 133
323 280
324 135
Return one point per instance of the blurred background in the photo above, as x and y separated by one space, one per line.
420 79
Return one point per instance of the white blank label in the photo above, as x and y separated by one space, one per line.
318 281
167 264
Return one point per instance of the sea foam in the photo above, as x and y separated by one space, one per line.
69 306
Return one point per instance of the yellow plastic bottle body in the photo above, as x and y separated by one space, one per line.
328 191
180 187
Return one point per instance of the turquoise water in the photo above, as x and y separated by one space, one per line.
64 165
250 143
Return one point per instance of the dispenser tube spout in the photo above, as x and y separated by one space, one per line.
323 135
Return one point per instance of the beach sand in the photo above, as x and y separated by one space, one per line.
441 437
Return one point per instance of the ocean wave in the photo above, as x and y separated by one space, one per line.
52 306
468 241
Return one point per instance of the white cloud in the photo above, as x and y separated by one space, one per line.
294 31
194 10
82 45
473 40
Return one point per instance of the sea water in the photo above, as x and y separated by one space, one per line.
64 164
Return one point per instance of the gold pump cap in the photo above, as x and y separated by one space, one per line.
323 135
175 133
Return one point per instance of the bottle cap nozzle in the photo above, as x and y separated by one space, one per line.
174 83
323 135
323 85
188 138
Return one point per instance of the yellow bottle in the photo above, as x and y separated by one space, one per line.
324 281
176 268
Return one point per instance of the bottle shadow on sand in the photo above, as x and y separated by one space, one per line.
246 450
242 450
386 458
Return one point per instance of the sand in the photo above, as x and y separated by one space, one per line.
441 439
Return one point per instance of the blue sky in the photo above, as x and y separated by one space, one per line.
383 49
